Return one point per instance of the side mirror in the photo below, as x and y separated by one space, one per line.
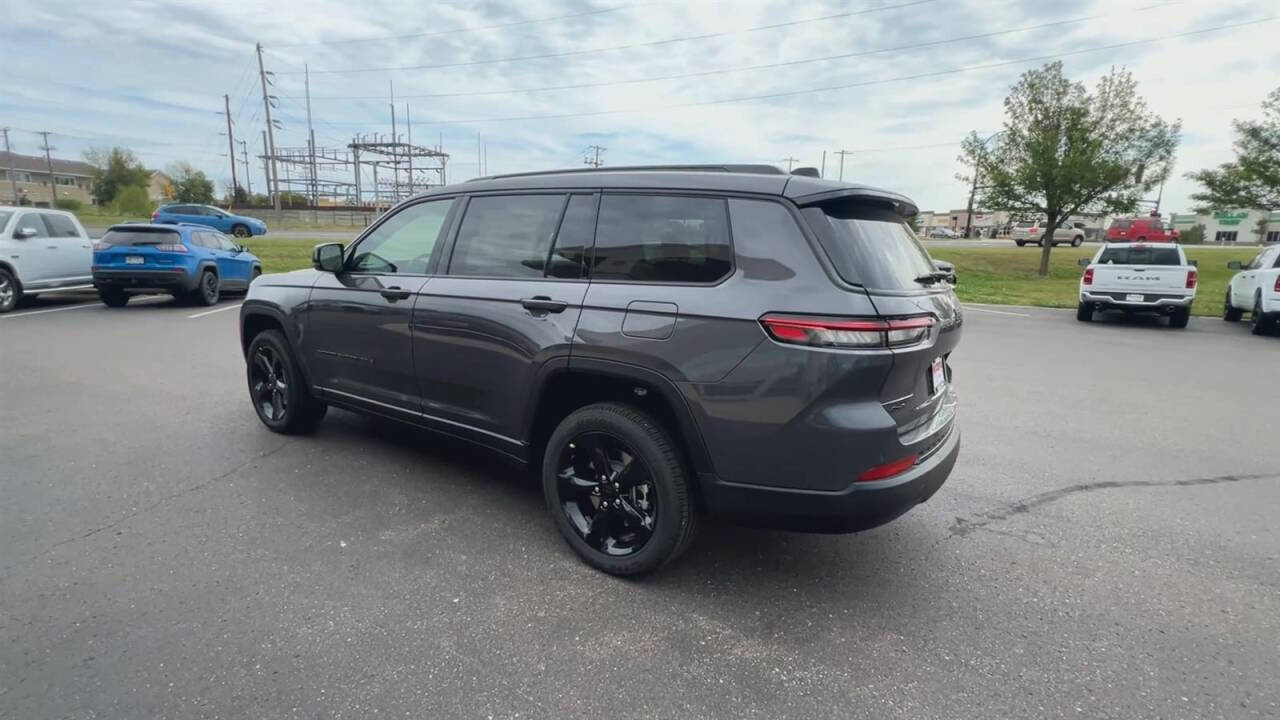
946 267
1235 265
23 233
1083 262
1194 263
327 257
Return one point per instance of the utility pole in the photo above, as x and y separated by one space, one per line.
822 173
13 180
790 161
479 162
594 162
311 146
842 153
48 163
408 129
231 148
244 153
273 180
395 151
266 162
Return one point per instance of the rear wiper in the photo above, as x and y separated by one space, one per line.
933 277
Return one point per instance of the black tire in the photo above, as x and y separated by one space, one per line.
113 297
240 231
1084 312
1141 239
208 289
631 432
1229 313
291 409
1077 241
10 291
1020 243
1258 321
1180 317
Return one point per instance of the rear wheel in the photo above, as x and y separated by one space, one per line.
10 291
280 396
1084 312
1141 239
1020 243
618 490
240 231
1077 241
1180 317
113 297
208 290
1229 313
1258 320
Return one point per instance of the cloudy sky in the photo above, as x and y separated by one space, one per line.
896 82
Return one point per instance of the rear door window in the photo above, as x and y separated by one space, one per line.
1121 224
1144 255
871 245
662 239
60 225
506 236
568 258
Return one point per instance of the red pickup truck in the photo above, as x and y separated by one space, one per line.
1140 229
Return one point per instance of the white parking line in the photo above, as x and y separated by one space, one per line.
81 306
996 312
215 310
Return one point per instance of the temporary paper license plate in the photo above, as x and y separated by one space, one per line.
133 260
1134 298
938 374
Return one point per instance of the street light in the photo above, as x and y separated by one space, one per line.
973 191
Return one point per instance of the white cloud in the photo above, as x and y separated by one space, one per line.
151 76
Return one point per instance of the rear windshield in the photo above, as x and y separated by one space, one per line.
1121 224
140 236
873 246
1145 255
1025 224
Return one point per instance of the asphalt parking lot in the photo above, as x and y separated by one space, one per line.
1107 547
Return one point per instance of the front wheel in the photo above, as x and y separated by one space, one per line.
618 490
280 396
1077 241
241 231
1180 317
10 292
113 297
1258 320
1020 243
1084 312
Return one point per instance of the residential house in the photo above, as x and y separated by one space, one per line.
26 180
159 187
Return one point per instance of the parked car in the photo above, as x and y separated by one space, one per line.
1138 278
41 250
796 376
944 233
209 216
1139 230
1255 288
183 260
1027 231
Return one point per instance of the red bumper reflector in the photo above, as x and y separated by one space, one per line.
887 470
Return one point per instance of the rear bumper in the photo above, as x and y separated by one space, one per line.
178 279
1107 301
860 506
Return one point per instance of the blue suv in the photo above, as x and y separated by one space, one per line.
184 260
209 216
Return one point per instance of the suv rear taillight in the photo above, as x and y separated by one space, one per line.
1088 276
1191 279
1277 287
171 247
155 214
864 333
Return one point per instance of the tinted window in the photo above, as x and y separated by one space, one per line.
872 245
506 236
650 238
140 236
60 226
1144 255
403 242
1121 224
577 233
33 221
1024 224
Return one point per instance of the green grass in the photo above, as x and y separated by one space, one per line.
1000 276
1008 276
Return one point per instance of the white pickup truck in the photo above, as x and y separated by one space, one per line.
1256 289
1138 278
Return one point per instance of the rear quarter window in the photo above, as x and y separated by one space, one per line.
871 245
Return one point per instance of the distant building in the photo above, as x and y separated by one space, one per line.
1232 227
159 187
35 185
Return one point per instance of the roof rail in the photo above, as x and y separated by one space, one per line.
727 168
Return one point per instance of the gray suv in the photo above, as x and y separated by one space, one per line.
658 342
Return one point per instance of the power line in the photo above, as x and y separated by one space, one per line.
631 46
846 86
744 68
458 31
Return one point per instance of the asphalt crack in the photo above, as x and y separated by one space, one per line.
980 521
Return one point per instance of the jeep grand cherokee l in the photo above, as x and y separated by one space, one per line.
658 342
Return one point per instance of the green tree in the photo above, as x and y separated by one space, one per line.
114 170
1066 151
132 200
190 185
1193 235
239 196
1252 180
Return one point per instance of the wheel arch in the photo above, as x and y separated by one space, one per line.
12 270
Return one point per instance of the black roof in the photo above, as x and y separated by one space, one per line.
755 179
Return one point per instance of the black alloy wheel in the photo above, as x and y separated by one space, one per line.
240 231
607 494
208 291
8 291
269 383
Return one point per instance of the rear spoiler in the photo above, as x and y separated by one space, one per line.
900 203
